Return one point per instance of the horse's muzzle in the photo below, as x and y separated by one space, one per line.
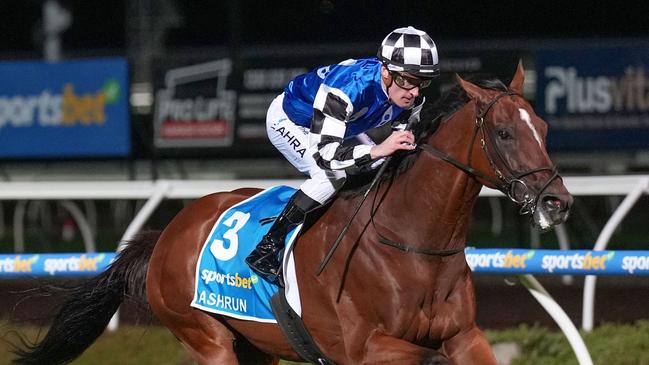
552 209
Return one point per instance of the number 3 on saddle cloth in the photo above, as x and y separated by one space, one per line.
224 283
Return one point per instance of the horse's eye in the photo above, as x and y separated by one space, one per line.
503 134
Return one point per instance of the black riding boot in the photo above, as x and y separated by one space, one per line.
264 259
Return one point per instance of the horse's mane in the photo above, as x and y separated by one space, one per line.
432 115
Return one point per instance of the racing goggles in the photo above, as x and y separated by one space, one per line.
409 83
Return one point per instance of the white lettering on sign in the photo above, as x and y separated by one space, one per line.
596 94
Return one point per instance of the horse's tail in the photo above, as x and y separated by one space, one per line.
89 306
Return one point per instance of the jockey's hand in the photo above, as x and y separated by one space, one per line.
398 140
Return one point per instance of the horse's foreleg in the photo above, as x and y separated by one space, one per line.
471 348
381 349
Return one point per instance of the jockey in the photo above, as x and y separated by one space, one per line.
319 110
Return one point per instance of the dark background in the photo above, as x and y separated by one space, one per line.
104 24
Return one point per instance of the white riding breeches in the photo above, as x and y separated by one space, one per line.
292 141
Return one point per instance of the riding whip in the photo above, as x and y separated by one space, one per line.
377 177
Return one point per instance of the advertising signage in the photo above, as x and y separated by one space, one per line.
195 108
594 98
211 104
67 109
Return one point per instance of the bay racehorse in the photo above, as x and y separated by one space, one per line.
396 291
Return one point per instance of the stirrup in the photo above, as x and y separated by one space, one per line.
275 278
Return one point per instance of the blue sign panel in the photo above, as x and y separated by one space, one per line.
569 262
512 261
57 264
594 98
67 109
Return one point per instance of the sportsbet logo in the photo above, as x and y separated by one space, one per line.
499 260
576 261
67 108
631 264
17 264
235 280
72 264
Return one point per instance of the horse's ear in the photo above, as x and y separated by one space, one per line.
474 91
519 79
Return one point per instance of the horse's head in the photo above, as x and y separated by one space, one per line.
509 149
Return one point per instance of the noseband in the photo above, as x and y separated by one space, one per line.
508 183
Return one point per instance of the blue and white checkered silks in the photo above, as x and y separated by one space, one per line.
410 50
332 109
224 283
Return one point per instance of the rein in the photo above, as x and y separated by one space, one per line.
423 251
404 246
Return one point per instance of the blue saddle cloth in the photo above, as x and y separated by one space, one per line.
224 282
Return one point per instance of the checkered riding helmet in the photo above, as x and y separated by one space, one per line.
410 50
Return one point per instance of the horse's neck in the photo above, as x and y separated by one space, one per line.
432 202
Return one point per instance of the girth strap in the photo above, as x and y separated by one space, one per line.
293 328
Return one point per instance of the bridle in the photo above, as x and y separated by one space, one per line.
510 182
507 183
